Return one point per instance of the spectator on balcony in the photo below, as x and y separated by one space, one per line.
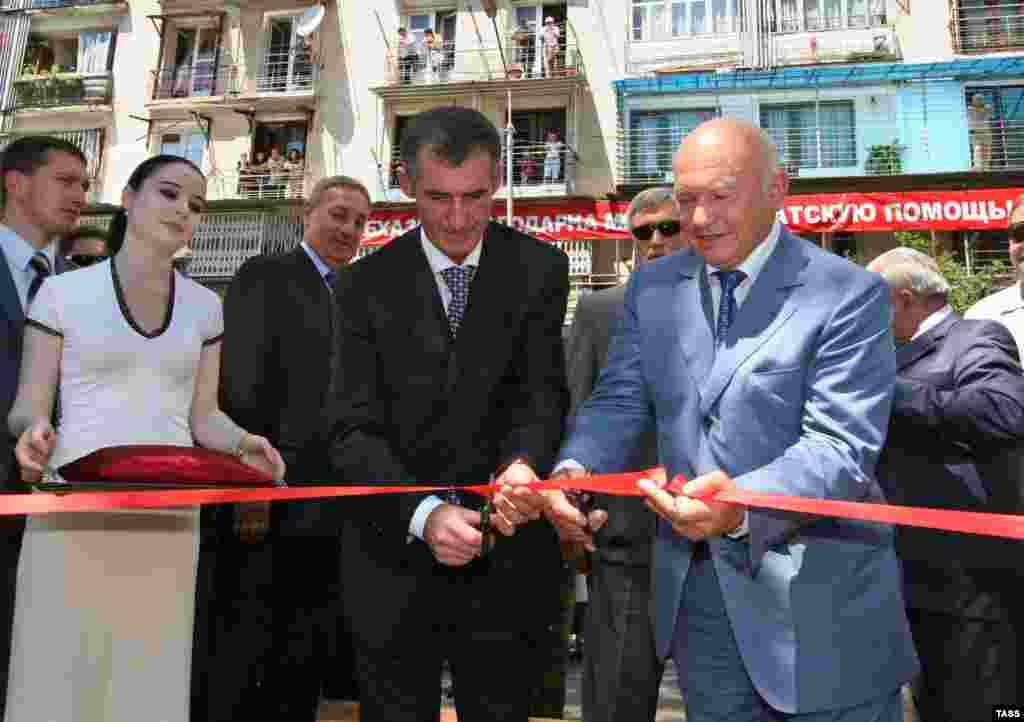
406 56
257 175
433 46
294 167
550 37
276 172
527 168
553 148
979 124
85 246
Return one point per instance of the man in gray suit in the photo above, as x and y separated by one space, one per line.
621 672
767 364
42 191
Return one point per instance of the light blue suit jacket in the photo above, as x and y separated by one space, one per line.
796 401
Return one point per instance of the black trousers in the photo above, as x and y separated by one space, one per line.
266 640
621 672
12 529
967 666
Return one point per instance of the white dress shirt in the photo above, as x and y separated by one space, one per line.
18 253
1006 306
438 262
932 321
322 268
752 267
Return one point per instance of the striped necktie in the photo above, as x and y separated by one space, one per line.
728 280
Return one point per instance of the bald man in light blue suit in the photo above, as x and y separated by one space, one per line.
778 378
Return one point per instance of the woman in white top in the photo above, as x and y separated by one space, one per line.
104 610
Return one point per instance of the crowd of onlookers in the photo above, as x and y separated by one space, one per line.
273 176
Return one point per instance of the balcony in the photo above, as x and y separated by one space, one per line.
54 4
259 186
195 81
289 72
62 90
536 172
985 26
841 46
520 57
997 145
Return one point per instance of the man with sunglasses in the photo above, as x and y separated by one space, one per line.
621 672
1007 305
85 246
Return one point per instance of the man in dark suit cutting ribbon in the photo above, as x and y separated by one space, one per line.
450 371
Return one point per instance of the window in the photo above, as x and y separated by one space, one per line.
187 144
813 15
189 64
664 19
812 135
1001 124
443 24
287 64
654 138
534 162
987 25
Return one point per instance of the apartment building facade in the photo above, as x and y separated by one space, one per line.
887 116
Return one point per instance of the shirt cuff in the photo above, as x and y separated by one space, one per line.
742 531
419 517
571 464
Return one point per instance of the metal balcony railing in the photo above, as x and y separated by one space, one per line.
997 145
522 56
988 25
62 90
850 46
47 4
294 71
287 184
195 81
536 169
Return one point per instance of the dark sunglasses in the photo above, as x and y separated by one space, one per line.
84 261
665 228
1016 232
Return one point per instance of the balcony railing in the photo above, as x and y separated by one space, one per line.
195 81
850 46
61 90
522 56
48 4
997 145
289 184
294 71
982 26
536 171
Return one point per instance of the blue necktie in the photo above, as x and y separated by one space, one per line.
458 280
41 265
329 280
728 280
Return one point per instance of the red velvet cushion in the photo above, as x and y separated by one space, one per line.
170 465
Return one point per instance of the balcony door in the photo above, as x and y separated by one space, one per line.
526 31
195 57
528 149
287 62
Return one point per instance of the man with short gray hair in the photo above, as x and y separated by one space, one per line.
621 672
1007 305
959 401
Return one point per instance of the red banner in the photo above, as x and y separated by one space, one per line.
982 209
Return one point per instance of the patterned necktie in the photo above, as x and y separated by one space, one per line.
41 265
329 280
458 280
728 280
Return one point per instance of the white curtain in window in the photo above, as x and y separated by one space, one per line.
833 14
812 15
187 145
93 52
857 13
679 19
698 18
722 17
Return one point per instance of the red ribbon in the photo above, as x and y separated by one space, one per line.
999 525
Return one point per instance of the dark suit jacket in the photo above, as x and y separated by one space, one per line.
959 403
412 407
12 330
276 372
626 538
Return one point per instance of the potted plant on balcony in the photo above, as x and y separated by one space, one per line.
884 159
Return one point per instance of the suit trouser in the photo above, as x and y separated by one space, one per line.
621 670
12 529
967 666
712 676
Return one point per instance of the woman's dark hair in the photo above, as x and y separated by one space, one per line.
119 223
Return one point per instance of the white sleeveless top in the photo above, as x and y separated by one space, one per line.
119 385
